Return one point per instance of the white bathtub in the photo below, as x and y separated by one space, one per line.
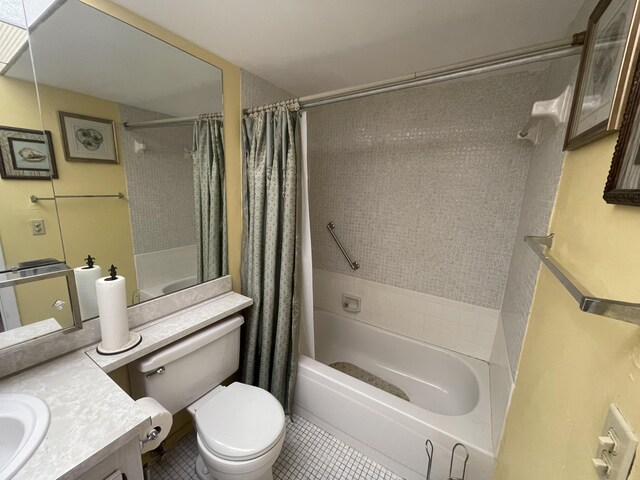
449 396
172 286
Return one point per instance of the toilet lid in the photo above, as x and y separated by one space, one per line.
241 422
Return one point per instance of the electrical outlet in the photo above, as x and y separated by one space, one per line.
37 226
616 447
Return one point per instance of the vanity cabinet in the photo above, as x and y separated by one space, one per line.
126 461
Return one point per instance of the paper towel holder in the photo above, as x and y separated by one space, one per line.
134 340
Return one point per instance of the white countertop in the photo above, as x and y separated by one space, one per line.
91 416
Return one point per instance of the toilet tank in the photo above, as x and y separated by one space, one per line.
182 372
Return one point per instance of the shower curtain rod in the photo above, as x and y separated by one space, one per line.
170 122
515 58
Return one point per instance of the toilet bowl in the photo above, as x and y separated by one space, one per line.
240 433
240 428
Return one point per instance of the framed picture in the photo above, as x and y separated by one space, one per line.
88 139
605 73
623 182
26 154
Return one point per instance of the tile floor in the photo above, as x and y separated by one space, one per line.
308 453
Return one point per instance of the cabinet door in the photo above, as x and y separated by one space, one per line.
124 464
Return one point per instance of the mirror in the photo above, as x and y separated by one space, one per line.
125 172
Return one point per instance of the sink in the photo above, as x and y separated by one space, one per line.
24 421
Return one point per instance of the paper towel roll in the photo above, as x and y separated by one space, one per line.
86 284
161 421
112 307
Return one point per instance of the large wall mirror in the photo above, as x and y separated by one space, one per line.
111 145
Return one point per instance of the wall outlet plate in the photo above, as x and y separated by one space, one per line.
37 226
616 447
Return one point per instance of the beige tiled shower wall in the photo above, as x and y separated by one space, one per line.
159 179
256 91
425 187
540 193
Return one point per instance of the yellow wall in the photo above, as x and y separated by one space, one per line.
575 364
20 110
100 227
232 116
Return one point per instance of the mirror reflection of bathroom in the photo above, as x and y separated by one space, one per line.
26 233
127 196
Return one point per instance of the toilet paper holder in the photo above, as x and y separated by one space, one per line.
151 436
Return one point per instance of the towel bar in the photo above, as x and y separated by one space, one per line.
625 311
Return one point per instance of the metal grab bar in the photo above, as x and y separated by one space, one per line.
625 311
35 199
354 265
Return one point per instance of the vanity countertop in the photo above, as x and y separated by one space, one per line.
91 416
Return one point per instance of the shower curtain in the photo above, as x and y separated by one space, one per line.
271 251
307 341
210 199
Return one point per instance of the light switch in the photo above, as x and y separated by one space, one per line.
616 447
37 226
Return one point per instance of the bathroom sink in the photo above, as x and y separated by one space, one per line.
24 421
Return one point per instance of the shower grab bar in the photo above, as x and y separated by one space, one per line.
625 311
353 264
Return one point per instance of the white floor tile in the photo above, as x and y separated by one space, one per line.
308 453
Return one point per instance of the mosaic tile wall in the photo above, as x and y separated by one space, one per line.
257 91
159 183
424 185
539 196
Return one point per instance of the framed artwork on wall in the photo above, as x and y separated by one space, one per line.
88 139
605 74
26 154
623 182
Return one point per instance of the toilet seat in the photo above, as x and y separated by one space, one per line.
240 423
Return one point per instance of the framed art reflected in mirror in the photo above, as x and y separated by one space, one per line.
623 182
26 154
605 72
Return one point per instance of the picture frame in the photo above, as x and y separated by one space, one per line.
88 139
26 154
605 73
623 182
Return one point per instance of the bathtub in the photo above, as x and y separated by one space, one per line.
448 392
172 286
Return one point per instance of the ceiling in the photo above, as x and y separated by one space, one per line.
80 49
313 46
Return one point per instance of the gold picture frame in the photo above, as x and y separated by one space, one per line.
88 139
605 74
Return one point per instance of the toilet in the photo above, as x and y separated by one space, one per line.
240 428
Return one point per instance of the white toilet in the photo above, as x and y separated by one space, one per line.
240 427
